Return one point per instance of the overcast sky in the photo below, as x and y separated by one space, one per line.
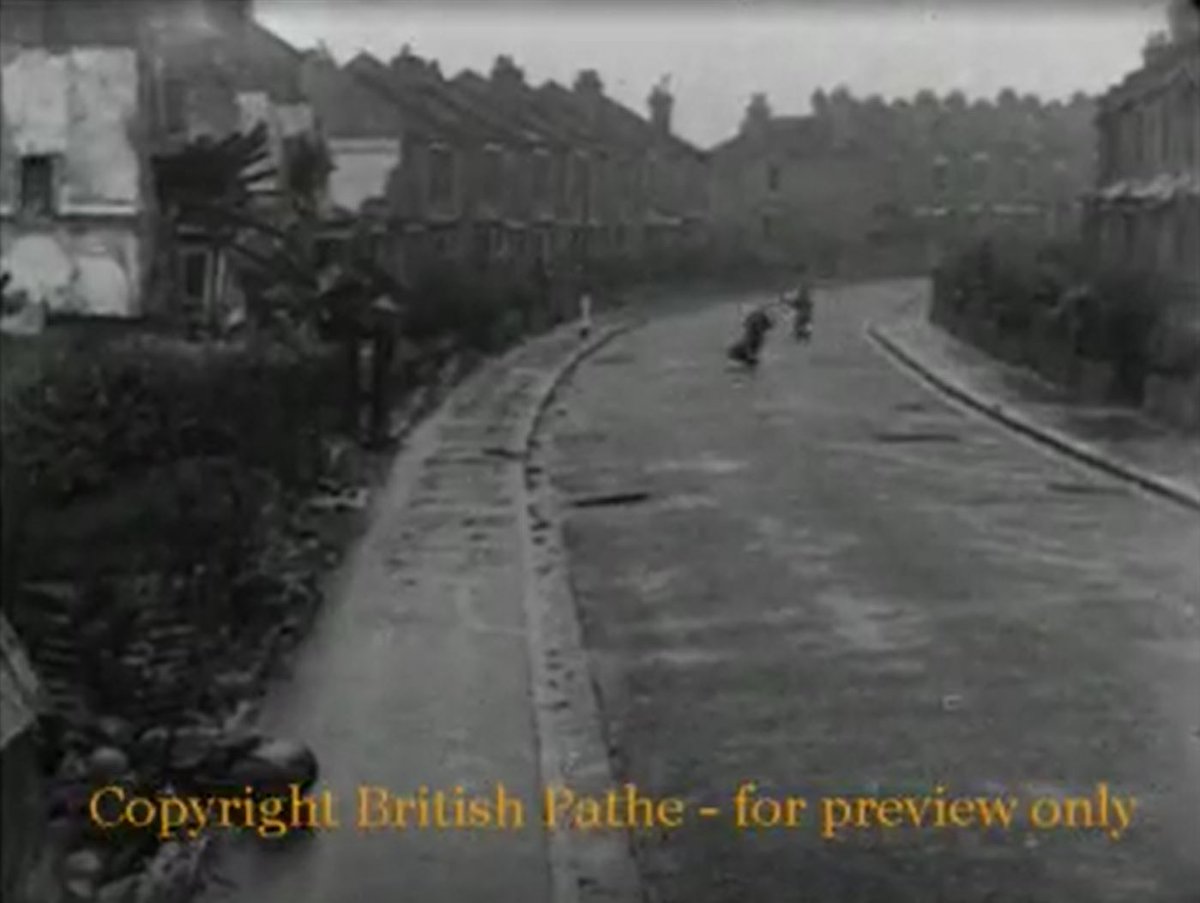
718 53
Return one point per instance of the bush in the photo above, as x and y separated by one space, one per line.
213 436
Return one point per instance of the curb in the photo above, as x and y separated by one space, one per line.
573 751
1051 438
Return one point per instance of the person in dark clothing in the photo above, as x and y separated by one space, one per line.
748 349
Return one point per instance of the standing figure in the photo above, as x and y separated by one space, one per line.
799 299
585 313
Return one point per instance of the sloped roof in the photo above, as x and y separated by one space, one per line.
266 62
639 129
787 134
18 686
526 111
349 108
432 118
453 110
557 103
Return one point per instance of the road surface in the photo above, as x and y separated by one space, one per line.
840 585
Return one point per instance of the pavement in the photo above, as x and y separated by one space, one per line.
1120 440
828 579
428 669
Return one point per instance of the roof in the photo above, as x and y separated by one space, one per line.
348 107
642 130
266 62
531 116
18 686
430 118
555 102
1175 60
790 134
455 111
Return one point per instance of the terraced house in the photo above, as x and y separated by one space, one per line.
1145 209
493 173
97 94
860 183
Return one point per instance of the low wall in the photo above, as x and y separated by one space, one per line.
1170 398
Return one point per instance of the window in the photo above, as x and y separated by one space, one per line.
541 179
768 227
941 176
581 183
493 175
979 172
562 181
481 244
773 177
441 176
1023 180
193 266
37 185
174 100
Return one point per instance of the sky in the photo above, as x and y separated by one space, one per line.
720 52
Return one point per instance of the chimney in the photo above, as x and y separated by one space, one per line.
589 89
507 77
660 103
412 68
1157 45
758 114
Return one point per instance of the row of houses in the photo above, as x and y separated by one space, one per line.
482 171
1145 206
861 182
491 171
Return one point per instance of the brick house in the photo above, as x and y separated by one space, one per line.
864 184
1145 209
640 205
93 92
448 196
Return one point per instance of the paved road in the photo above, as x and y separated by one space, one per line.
842 585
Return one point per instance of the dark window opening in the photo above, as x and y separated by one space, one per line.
174 105
941 178
37 185
441 176
493 175
194 266
773 178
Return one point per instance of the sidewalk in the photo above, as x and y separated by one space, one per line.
1121 441
418 672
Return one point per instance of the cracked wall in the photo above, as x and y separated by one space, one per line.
80 109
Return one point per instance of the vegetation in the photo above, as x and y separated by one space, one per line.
1052 294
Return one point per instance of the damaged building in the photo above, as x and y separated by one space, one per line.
94 93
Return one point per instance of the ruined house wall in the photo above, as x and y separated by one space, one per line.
80 107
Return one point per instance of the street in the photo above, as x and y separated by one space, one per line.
838 583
